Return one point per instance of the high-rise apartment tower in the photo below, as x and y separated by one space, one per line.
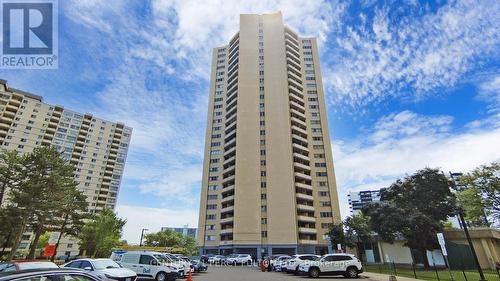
96 147
268 177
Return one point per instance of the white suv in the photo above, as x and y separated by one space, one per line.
150 265
235 259
333 264
292 265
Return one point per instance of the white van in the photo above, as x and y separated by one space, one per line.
150 265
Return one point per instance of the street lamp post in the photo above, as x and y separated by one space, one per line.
469 240
142 235
467 235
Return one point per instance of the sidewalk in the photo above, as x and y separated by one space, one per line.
385 277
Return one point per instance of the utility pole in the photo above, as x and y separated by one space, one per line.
142 235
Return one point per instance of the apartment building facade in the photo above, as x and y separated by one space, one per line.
358 200
268 178
96 147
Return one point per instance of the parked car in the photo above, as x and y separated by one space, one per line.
149 265
333 264
199 266
67 258
178 261
235 259
48 274
24 265
217 259
292 264
105 269
278 262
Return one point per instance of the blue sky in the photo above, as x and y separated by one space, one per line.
409 84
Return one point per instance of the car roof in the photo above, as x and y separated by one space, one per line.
4 276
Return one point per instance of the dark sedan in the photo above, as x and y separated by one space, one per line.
59 274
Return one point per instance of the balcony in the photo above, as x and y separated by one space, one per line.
226 231
297 106
301 156
227 209
306 219
308 242
231 150
307 230
4 126
227 199
228 179
303 196
305 207
302 176
300 130
299 138
296 84
304 186
301 166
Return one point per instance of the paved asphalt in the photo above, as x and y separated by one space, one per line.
244 273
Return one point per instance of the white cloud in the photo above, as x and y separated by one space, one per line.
405 142
153 219
414 55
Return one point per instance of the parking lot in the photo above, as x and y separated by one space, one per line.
245 273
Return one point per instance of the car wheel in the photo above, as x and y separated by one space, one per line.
296 272
161 276
351 272
314 272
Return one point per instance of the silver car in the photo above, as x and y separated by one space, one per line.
105 269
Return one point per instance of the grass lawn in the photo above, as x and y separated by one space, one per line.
444 275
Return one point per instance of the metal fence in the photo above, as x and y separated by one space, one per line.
433 273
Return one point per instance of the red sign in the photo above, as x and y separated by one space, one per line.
49 250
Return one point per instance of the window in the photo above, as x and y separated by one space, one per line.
315 122
322 183
317 138
210 237
212 187
212 197
325 214
210 227
85 264
325 204
215 152
263 234
212 206
320 164
213 178
263 221
215 160
319 155
316 130
146 259
323 193
211 217
321 174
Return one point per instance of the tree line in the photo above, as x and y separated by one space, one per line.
38 195
170 238
418 206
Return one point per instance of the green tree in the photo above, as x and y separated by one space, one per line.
9 215
165 238
358 231
415 208
10 167
53 177
101 234
71 215
485 183
474 206
336 235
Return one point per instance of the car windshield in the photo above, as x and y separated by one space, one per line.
36 265
172 257
105 264
162 258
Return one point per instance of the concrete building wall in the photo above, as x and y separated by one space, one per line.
268 176
96 147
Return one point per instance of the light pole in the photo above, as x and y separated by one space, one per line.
142 235
467 235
